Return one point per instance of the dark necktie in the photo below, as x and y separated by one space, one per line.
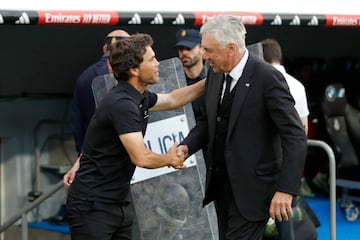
227 87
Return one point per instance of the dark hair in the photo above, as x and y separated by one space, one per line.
271 50
128 53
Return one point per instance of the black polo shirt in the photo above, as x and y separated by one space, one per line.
105 166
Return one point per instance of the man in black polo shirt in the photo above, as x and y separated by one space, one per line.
98 204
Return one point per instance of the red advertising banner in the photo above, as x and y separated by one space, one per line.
78 17
342 20
247 18
52 17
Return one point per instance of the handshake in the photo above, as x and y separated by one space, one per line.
177 155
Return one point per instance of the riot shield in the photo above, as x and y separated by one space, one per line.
168 202
256 49
100 85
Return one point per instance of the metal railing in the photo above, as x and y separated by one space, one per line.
36 193
312 143
332 179
23 213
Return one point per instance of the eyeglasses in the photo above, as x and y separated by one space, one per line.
109 40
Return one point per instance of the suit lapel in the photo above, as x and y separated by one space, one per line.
242 89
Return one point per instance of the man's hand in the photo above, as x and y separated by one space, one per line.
182 150
280 207
177 159
69 176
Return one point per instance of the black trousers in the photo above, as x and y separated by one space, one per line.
286 229
233 226
90 220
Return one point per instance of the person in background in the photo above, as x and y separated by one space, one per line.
188 43
273 55
99 204
83 103
256 142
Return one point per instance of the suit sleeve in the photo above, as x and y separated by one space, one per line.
280 105
198 135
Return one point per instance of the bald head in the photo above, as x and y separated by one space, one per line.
118 33
113 37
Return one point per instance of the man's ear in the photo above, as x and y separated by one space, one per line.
105 48
231 48
134 72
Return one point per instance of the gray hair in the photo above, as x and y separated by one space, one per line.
226 29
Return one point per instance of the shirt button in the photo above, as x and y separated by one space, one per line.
218 119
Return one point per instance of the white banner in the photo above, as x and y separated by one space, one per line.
159 137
